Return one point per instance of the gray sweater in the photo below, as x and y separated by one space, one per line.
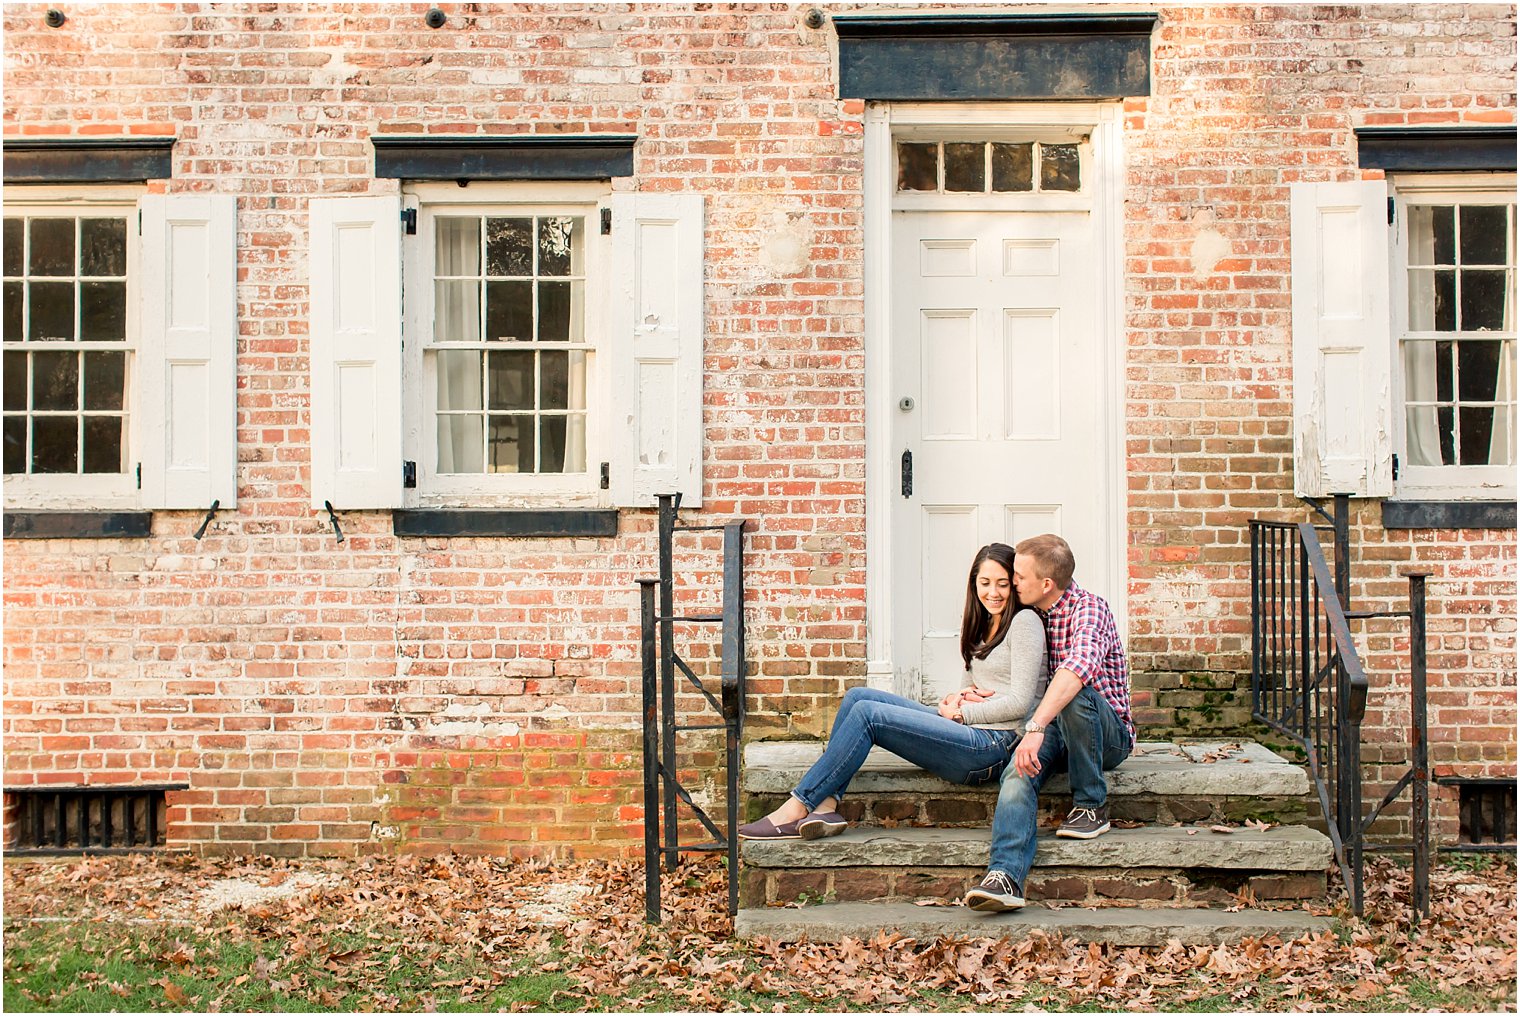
1017 671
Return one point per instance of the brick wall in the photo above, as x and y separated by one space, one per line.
481 693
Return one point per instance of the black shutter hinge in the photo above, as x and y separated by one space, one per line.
606 475
210 514
606 222
1391 207
1395 465
139 476
409 221
332 516
409 475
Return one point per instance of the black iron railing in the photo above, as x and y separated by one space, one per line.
662 787
1308 683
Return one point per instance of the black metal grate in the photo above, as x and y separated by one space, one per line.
71 820
1486 810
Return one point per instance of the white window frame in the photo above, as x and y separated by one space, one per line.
1080 135
1444 482
89 491
419 382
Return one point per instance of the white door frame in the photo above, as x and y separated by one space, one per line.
1105 121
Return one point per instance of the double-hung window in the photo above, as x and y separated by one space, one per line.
508 344
120 352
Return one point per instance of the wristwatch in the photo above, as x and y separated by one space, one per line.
1035 728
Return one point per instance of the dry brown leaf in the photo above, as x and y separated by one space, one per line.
1224 829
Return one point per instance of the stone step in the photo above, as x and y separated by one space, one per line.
1161 782
1123 926
1159 865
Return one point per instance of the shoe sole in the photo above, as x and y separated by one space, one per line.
1075 834
818 830
988 904
744 836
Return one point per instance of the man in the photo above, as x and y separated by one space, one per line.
1081 726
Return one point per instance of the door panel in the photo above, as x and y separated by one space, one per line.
995 365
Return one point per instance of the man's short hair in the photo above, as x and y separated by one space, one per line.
1052 558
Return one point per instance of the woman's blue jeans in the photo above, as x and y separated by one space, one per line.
1086 740
908 729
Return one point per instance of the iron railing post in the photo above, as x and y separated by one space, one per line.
651 752
669 505
1420 747
733 690
1343 550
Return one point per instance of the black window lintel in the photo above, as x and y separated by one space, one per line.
1448 514
88 160
77 525
498 157
1436 149
445 522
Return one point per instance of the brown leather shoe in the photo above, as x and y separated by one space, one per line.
819 824
765 829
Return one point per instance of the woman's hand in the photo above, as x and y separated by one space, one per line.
952 699
950 708
976 694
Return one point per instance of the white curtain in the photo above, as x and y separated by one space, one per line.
575 426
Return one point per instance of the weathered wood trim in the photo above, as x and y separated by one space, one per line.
1448 514
533 157
88 160
994 56
1436 149
586 522
77 525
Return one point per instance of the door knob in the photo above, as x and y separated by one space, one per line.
905 403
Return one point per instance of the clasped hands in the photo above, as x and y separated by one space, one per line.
950 705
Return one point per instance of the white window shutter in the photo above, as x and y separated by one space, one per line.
1342 347
656 354
188 350
356 352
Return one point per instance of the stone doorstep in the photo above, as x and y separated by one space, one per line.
1144 887
1156 768
1282 848
1123 926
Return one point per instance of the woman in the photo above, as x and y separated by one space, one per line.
967 740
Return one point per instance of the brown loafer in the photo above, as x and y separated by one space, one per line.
765 829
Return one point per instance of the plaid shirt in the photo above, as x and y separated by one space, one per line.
1082 638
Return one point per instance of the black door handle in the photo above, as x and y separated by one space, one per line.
907 474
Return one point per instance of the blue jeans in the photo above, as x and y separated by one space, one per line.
1086 740
909 729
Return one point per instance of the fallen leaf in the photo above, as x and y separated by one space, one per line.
1224 829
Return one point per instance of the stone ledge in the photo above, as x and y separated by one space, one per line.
1285 848
1157 767
1124 926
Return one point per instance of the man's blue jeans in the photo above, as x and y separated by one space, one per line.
1086 740
911 730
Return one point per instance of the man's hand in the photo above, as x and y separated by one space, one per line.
951 710
1026 757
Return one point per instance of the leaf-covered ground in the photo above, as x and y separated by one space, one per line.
181 933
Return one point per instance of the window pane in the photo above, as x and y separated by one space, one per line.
575 443
460 445
559 246
511 444
1501 451
510 380
102 445
554 381
12 300
1483 234
102 247
52 311
509 246
1483 300
1446 431
15 444
459 379
1477 432
561 311
551 437
509 311
457 246
52 250
1012 167
55 444
456 311
1060 168
55 380
102 311
14 249
1432 239
15 381
1445 364
105 381
917 166
1423 436
1432 300
965 167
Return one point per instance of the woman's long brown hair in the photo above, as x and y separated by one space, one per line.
975 620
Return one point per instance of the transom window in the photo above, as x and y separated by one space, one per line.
509 345
66 345
1457 347
988 167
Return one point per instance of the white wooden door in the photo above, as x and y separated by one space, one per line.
996 365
